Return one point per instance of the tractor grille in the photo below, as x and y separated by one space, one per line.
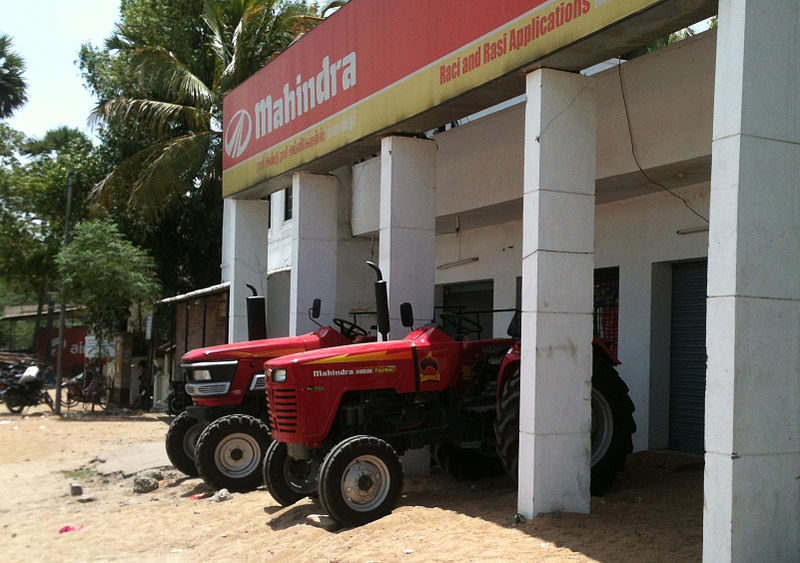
207 389
283 410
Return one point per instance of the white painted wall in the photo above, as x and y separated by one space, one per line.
366 190
354 289
280 235
635 234
480 163
499 252
244 258
669 93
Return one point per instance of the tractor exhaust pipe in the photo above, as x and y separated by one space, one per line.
381 302
256 315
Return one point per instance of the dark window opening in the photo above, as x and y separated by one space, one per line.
287 204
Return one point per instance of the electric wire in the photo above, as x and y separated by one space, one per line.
633 150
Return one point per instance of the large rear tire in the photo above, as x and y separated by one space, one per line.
360 480
181 443
612 425
289 480
230 453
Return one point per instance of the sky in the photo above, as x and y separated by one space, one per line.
48 35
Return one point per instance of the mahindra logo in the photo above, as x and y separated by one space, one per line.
238 133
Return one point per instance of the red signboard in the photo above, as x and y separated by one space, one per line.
377 62
73 348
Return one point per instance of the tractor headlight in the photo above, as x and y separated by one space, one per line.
278 375
201 375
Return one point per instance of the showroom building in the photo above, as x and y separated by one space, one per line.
489 156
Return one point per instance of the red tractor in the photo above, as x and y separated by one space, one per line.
341 417
222 436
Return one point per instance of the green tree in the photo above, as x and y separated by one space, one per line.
12 83
184 113
160 80
33 187
106 274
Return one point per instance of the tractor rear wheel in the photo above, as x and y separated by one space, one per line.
612 425
360 480
181 443
230 453
289 480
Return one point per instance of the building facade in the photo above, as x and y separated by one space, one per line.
661 192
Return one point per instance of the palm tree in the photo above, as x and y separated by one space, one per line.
12 84
185 115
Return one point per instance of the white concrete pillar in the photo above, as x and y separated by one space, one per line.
557 281
313 249
408 226
752 433
244 257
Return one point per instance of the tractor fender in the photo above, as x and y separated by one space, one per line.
513 356
508 366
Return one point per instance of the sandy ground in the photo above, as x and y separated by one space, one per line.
653 514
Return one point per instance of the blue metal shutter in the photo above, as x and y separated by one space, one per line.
688 357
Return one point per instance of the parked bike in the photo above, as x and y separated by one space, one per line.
92 390
5 384
29 391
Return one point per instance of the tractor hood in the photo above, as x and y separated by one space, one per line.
372 355
268 348
371 352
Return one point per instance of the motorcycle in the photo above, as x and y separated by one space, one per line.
5 383
27 393
8 375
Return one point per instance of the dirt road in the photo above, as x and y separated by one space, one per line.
654 513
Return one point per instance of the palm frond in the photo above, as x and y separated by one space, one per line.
158 176
159 118
172 76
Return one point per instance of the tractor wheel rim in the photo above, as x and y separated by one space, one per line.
365 483
190 440
301 476
602 426
237 455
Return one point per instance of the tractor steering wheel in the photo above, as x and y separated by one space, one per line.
462 325
348 329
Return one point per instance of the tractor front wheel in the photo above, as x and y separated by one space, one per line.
230 452
288 480
360 480
181 443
